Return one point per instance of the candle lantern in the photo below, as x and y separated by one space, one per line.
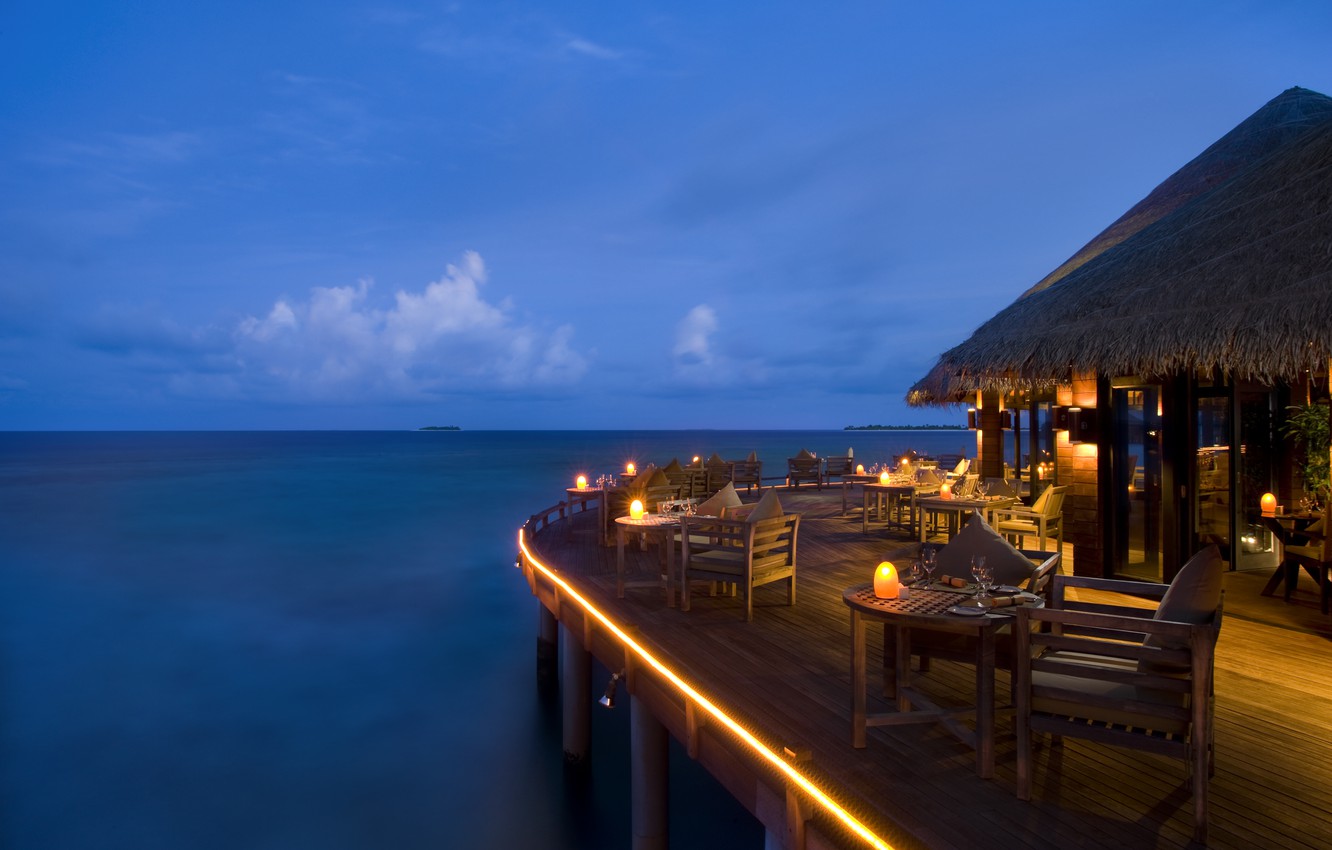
884 477
860 469
629 468
886 585
581 482
1268 504
946 490
636 509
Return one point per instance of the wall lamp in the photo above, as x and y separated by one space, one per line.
608 698
971 419
1082 425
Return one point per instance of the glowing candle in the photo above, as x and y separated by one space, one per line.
946 490
884 477
860 469
629 468
581 482
635 509
885 581
905 466
1268 504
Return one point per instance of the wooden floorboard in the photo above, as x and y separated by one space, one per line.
788 674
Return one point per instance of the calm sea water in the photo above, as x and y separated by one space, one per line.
312 639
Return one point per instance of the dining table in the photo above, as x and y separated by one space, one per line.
1285 527
954 509
936 608
660 529
889 501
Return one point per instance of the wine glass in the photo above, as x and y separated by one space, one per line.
980 571
930 560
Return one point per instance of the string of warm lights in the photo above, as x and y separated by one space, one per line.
757 746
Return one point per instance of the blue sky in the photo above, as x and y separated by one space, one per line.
571 215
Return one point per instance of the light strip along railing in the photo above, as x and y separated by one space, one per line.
753 743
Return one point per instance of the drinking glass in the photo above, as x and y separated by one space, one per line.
980 571
930 558
917 572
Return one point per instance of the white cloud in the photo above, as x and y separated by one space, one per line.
588 48
446 337
693 336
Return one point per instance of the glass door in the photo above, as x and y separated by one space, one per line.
1257 459
1136 473
1213 507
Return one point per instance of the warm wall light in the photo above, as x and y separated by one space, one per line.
885 581
1059 416
635 509
581 482
1006 420
1268 504
905 466
971 419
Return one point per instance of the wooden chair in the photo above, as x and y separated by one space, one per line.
838 466
748 473
804 469
1042 519
1122 675
719 473
747 554
1315 557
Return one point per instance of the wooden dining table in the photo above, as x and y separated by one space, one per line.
1285 526
889 499
924 610
955 509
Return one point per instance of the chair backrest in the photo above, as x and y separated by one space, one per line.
962 466
1053 493
965 489
839 465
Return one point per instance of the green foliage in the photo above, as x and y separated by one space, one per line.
1308 425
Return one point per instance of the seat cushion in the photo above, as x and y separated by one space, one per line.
1195 592
977 538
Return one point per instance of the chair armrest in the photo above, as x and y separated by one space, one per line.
1001 514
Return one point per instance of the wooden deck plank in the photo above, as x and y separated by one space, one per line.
787 674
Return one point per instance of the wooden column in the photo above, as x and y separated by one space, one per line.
990 423
547 650
649 778
575 696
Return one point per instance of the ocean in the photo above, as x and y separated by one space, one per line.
314 639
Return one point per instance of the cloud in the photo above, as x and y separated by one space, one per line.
587 48
444 338
693 336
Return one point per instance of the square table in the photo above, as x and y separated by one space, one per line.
886 496
955 508
925 609
1284 526
664 529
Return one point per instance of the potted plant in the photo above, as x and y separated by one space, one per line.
1308 425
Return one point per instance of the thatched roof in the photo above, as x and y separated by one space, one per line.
1227 264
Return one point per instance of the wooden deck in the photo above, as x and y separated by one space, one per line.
787 674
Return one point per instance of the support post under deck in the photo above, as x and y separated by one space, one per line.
575 696
649 778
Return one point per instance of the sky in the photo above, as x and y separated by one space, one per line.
571 215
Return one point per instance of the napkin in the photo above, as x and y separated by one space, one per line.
1001 601
954 582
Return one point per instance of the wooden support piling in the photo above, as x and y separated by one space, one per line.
547 650
575 696
649 778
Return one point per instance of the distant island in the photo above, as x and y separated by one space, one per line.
905 428
440 428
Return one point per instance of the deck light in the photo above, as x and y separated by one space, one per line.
636 509
581 482
1268 504
886 585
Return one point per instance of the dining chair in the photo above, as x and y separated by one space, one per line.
751 551
1045 518
1315 557
1091 667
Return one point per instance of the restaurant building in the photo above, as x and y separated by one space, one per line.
1155 370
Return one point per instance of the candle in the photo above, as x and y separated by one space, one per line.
884 478
581 482
636 509
629 468
946 490
1268 504
885 581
